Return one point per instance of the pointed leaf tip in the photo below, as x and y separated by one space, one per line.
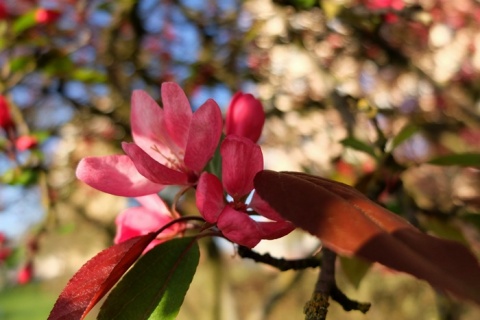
350 224
96 277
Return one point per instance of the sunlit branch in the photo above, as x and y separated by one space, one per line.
279 263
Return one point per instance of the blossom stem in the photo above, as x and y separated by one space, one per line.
178 220
175 200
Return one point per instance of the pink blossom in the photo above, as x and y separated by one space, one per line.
3 12
5 118
171 146
45 16
23 143
149 217
241 160
116 175
385 4
245 116
25 274
4 253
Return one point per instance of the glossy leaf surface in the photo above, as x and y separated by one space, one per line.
350 224
156 285
96 278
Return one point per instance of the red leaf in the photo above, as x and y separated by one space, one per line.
349 223
96 277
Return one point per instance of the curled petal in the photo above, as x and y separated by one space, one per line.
241 160
116 175
275 229
205 132
178 113
151 169
209 197
264 209
238 227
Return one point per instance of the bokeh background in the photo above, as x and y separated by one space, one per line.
366 92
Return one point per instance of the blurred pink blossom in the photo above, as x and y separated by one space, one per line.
6 121
25 273
46 16
149 217
23 143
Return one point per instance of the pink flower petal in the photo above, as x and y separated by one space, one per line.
151 169
178 113
238 227
116 175
154 203
241 160
263 208
205 132
138 221
275 229
148 127
209 197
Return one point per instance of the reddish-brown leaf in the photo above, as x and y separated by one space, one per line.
350 224
96 277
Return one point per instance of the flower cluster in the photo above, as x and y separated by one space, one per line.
173 146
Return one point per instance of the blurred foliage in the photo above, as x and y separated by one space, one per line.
382 95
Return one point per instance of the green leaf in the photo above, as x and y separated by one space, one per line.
472 218
19 63
445 230
88 75
460 159
356 144
404 134
56 65
24 22
156 285
354 269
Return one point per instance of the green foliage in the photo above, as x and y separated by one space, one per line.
407 131
88 75
358 145
22 177
25 22
354 269
156 285
445 229
460 159
25 302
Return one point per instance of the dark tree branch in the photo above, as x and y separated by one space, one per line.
317 307
279 263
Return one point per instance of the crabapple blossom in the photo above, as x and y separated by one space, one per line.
6 121
171 146
46 16
241 160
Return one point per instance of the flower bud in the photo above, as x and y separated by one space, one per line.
245 116
3 12
45 16
5 118
25 143
25 274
